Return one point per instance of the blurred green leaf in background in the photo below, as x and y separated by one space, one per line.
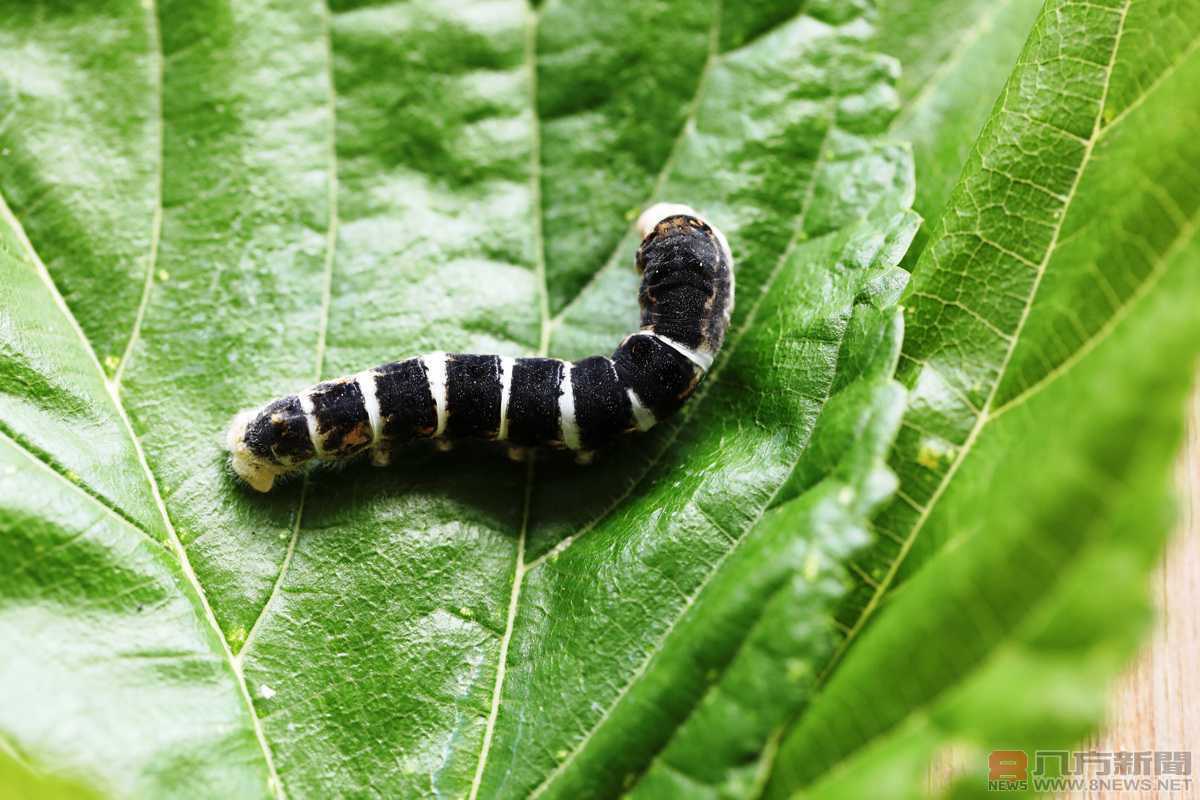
903 515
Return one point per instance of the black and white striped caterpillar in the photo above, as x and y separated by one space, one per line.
686 298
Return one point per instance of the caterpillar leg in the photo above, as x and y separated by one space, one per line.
381 454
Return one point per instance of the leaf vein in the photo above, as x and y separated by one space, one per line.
331 237
966 41
156 222
1186 234
519 566
36 455
1162 78
174 542
660 180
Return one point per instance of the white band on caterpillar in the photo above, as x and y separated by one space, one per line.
506 376
700 359
567 424
642 416
366 385
310 419
435 369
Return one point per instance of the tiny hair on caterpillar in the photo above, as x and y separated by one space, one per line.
686 298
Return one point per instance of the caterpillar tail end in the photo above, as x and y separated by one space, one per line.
259 475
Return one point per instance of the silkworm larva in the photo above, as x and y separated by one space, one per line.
686 297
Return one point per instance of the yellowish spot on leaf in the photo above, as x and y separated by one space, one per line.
812 566
797 670
237 637
934 454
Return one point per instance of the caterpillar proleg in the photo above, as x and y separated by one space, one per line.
686 299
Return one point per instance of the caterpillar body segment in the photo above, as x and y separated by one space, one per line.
686 299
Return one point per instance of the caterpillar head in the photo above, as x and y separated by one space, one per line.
687 276
660 211
257 472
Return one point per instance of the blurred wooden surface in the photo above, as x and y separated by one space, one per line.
1156 705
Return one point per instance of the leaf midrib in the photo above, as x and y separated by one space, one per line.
548 325
331 238
173 542
112 389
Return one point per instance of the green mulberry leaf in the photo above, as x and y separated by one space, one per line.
1051 341
289 192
